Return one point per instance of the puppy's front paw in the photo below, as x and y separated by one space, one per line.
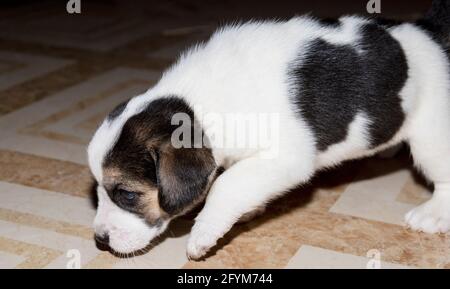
431 217
201 240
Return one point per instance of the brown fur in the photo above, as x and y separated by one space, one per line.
169 180
148 203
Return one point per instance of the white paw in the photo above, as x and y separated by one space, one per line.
430 217
201 240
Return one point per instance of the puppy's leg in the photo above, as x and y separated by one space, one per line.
430 146
252 214
247 185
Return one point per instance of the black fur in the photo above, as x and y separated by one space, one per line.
437 22
333 83
144 152
330 22
385 22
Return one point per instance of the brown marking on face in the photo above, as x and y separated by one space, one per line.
147 204
170 180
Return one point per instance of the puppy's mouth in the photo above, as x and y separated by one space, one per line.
128 244
136 253
126 251
129 252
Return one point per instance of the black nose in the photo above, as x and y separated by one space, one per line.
102 239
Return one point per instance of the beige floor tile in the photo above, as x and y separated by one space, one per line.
51 205
45 173
21 67
309 257
375 199
8 260
24 129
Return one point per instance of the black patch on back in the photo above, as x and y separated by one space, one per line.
333 83
117 110
385 22
329 22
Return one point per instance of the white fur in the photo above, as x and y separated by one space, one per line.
244 69
429 125
346 32
126 231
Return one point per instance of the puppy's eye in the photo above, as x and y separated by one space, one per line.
127 195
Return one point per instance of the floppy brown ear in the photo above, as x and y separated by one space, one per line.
183 176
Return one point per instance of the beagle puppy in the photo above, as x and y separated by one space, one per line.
320 91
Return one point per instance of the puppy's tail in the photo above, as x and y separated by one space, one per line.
437 21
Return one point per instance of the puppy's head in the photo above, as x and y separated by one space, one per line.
143 179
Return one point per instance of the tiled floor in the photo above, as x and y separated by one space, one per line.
57 86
